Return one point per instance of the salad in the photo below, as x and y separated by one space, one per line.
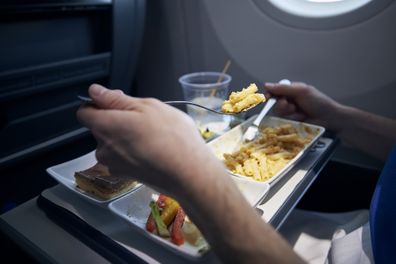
169 221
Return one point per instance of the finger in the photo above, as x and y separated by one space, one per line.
111 99
296 116
282 106
101 155
88 116
118 91
291 108
102 121
106 155
292 90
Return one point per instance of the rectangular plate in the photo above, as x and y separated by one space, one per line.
134 208
64 174
230 142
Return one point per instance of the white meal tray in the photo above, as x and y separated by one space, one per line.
231 141
133 206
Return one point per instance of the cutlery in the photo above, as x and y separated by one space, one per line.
253 129
88 100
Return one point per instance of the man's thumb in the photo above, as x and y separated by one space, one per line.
110 99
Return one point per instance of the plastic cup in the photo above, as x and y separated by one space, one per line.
211 90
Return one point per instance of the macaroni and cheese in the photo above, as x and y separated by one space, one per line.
265 156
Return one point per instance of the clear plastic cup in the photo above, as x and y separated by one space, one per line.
209 89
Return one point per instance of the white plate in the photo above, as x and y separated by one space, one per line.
134 208
230 142
64 174
253 191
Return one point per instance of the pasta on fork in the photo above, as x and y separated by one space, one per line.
243 100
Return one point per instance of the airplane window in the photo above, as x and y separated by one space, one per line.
318 8
321 14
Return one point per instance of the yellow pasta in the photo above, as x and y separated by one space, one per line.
239 96
269 153
248 101
240 101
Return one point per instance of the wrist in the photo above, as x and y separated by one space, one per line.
202 179
337 118
195 173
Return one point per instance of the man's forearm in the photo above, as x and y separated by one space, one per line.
368 132
234 230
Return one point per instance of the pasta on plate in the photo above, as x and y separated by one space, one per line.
269 153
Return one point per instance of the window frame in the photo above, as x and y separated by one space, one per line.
342 20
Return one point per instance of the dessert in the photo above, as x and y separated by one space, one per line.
98 181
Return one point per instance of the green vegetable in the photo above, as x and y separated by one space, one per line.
161 227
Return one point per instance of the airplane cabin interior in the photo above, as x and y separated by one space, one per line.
51 51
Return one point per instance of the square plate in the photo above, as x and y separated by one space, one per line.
64 174
230 142
134 208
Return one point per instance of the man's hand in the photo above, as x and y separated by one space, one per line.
303 102
160 146
143 138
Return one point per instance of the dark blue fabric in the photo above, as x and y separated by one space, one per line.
383 214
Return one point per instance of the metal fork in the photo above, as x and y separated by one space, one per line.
88 100
253 129
198 105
